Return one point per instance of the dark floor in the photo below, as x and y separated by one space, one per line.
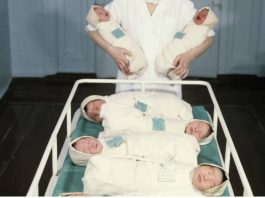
31 107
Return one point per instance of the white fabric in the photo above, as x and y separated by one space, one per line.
114 176
194 36
118 118
151 32
168 147
152 1
158 104
137 61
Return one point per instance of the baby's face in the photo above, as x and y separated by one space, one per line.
93 110
198 129
205 177
102 14
88 145
200 16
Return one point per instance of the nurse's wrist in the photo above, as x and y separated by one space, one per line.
109 49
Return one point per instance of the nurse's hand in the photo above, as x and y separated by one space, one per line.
119 56
182 62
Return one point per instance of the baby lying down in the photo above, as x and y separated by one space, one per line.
168 147
121 176
148 112
116 36
150 103
193 35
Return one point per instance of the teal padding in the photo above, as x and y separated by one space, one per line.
118 33
87 128
209 154
158 124
70 178
179 35
200 113
141 106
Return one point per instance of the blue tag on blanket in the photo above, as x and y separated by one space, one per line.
118 33
158 124
179 35
141 106
115 141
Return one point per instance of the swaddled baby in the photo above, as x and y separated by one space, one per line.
116 36
148 112
147 147
123 176
193 35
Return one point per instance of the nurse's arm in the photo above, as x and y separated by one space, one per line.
183 61
118 54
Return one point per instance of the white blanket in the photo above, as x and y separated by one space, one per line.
118 176
193 36
116 36
152 147
118 118
155 103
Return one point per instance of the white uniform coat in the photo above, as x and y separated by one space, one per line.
151 32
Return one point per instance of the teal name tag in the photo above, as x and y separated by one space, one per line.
141 106
179 35
118 33
158 124
115 141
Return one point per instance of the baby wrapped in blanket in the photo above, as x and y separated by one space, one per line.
117 118
193 35
152 103
149 146
148 112
123 176
116 36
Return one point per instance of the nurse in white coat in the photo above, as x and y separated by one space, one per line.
152 24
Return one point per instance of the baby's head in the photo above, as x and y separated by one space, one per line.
97 14
88 145
199 129
200 16
102 14
210 179
201 125
82 148
91 106
206 16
